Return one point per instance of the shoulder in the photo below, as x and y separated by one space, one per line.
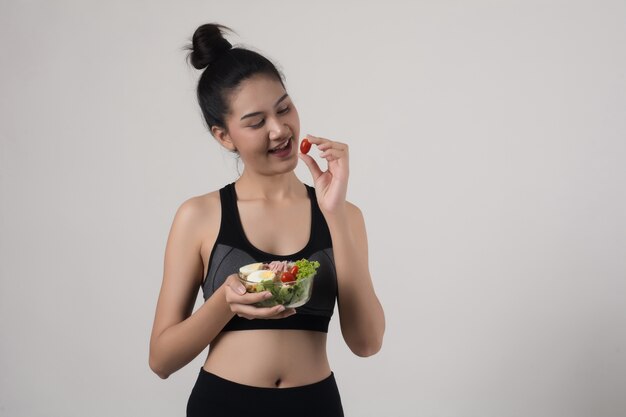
355 215
198 207
195 213
353 209
357 222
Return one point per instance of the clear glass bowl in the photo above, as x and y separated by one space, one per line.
290 294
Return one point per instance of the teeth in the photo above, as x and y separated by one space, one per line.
282 147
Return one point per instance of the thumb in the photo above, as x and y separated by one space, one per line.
236 285
313 167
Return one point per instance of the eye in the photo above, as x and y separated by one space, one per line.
258 124
281 111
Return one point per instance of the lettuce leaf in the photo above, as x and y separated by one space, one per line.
306 268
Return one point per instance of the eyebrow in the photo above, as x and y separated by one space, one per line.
259 112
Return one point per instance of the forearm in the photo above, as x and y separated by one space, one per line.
179 344
362 316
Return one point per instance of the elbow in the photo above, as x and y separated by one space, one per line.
366 351
159 371
157 368
367 348
367 343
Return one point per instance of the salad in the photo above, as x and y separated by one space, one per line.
290 283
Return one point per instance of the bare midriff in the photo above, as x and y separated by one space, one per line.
269 358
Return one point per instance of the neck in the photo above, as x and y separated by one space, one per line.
252 186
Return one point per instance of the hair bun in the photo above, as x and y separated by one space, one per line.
208 44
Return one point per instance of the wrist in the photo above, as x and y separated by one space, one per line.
223 302
336 215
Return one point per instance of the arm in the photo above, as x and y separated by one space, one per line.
177 335
361 314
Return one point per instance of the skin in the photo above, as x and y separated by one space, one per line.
270 198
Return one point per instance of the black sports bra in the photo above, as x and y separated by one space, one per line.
232 250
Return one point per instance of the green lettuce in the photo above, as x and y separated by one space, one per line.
306 268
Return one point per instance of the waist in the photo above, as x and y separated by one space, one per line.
269 358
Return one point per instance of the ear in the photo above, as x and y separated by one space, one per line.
223 137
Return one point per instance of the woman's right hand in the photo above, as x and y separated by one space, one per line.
240 302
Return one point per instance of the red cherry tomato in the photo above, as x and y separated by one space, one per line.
287 277
294 270
305 146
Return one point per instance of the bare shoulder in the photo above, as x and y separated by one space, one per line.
202 216
199 216
353 209
355 214
198 209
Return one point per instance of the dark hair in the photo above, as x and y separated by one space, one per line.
226 68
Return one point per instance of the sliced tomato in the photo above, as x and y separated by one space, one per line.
287 277
305 146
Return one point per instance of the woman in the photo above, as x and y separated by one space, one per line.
262 361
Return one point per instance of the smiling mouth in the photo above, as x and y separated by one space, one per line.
282 147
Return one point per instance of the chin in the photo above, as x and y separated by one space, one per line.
290 165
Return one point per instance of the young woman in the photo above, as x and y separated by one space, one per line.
262 361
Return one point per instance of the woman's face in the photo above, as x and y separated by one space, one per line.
263 126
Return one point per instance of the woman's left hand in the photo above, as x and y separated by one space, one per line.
330 185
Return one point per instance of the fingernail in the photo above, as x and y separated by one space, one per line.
267 294
241 290
280 309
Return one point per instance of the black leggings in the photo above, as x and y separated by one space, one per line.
214 396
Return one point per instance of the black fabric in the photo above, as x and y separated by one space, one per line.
215 396
233 250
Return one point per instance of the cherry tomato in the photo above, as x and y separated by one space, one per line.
294 270
287 277
305 146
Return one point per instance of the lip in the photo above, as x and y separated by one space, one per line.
282 144
284 153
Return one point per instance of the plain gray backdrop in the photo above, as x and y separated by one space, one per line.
488 155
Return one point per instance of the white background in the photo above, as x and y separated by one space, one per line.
488 154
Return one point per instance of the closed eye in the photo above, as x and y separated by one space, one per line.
282 111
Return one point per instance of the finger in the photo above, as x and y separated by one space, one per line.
235 285
254 297
335 153
246 298
317 140
332 145
258 312
231 295
313 167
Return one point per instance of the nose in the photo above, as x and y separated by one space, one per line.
278 130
